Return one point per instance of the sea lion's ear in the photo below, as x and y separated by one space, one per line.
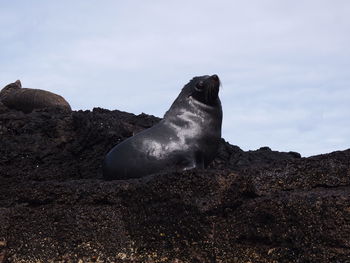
18 83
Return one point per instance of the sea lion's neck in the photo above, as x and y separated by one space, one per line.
205 107
192 111
193 105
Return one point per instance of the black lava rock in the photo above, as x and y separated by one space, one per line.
255 206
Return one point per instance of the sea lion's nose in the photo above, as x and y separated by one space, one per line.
215 77
18 83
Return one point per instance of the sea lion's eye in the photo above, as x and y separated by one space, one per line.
199 86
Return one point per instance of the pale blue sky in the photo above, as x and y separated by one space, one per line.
284 65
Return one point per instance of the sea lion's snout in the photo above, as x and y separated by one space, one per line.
213 88
216 81
215 78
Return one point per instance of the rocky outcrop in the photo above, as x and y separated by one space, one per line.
256 206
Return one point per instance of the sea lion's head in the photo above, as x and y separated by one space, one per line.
10 88
205 89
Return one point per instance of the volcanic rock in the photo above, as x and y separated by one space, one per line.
255 206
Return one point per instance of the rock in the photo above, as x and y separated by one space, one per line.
255 206
3 245
3 108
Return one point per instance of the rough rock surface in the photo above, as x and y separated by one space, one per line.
256 206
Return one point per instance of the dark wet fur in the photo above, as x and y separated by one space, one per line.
187 137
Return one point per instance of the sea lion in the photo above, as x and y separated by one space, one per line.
187 137
15 97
